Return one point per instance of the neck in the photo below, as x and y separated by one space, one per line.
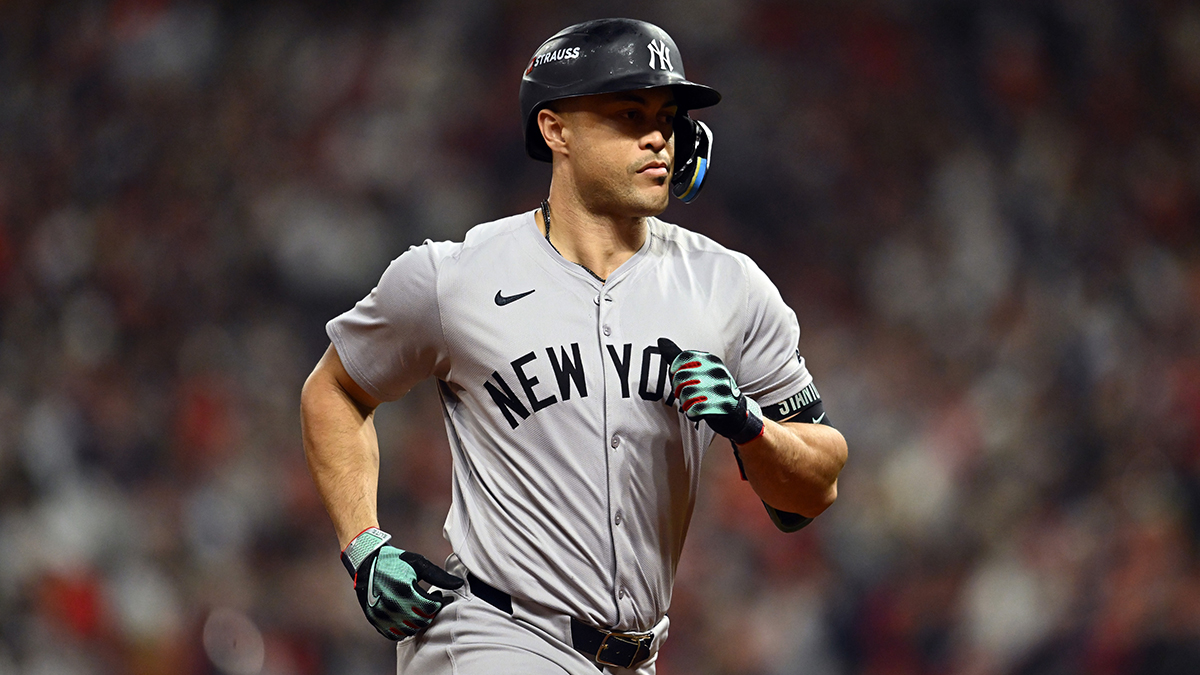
599 242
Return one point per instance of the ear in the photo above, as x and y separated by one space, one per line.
553 130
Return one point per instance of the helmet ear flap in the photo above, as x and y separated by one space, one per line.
693 147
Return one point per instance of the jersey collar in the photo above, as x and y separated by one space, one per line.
624 270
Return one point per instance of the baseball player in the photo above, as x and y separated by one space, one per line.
586 355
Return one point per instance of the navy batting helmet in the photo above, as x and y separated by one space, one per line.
610 55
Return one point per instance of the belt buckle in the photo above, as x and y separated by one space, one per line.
631 639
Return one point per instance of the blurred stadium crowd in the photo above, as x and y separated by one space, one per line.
985 214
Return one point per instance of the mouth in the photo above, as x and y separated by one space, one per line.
655 169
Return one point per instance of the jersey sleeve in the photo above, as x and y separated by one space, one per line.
392 339
771 369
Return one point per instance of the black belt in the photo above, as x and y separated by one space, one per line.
606 648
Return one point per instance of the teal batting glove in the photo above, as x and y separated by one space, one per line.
706 391
385 579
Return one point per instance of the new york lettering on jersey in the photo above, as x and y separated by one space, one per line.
568 369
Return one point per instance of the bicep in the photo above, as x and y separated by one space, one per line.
331 372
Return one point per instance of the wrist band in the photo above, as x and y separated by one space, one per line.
361 547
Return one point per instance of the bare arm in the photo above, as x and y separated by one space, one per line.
337 419
794 466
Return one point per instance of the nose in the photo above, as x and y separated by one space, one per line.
654 141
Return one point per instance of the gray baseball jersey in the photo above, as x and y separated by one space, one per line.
574 472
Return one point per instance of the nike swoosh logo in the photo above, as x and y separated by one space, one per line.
817 420
501 300
372 597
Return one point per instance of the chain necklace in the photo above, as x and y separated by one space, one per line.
546 220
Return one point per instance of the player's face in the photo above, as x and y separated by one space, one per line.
622 149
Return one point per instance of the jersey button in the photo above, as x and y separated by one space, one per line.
616 440
621 594
606 330
617 520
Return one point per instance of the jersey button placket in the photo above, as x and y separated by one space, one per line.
615 465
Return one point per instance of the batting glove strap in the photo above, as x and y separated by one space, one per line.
741 426
362 547
752 428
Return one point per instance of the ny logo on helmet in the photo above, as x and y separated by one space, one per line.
660 50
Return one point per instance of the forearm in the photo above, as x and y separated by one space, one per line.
794 466
342 451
